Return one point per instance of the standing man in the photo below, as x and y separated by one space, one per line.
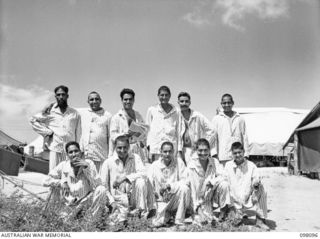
94 140
163 122
168 178
79 183
124 175
230 127
246 188
124 120
58 124
192 126
209 185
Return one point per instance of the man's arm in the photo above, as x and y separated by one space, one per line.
54 178
39 124
78 129
105 175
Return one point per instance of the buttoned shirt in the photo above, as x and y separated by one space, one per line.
64 126
241 179
229 130
198 126
119 126
114 168
94 138
160 174
163 127
199 178
80 185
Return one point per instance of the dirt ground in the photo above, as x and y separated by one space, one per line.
292 200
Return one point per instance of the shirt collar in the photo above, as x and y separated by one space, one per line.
195 164
101 111
234 165
56 109
118 160
160 109
162 165
70 169
221 113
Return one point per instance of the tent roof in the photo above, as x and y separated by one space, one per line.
313 114
269 128
7 140
312 125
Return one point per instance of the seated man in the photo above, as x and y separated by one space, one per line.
79 184
124 175
209 186
168 178
246 189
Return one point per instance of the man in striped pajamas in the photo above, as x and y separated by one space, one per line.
246 189
124 175
209 186
78 184
95 122
168 178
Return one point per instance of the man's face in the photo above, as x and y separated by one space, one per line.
167 153
164 97
227 104
122 149
203 152
74 154
127 101
184 102
94 101
238 155
61 97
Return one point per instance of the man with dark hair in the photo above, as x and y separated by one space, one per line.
168 178
209 185
124 175
95 122
79 183
163 122
192 126
229 127
246 188
123 123
58 124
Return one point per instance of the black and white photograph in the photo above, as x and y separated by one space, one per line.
159 116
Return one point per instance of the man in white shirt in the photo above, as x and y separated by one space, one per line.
124 175
163 122
209 185
246 189
94 140
192 126
58 125
230 127
168 178
123 120
79 183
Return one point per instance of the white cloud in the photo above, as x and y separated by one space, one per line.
231 12
19 102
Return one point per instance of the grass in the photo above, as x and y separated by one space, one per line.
19 215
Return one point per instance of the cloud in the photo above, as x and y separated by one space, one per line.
19 102
231 12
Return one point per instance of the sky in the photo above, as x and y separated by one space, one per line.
266 53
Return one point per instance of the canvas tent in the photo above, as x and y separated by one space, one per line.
306 143
8 140
269 128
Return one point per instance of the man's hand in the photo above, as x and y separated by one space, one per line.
114 207
119 181
65 189
47 109
80 163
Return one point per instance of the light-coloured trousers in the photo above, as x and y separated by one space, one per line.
138 195
217 196
257 202
55 158
95 202
179 202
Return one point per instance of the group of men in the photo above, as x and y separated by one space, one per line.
175 165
